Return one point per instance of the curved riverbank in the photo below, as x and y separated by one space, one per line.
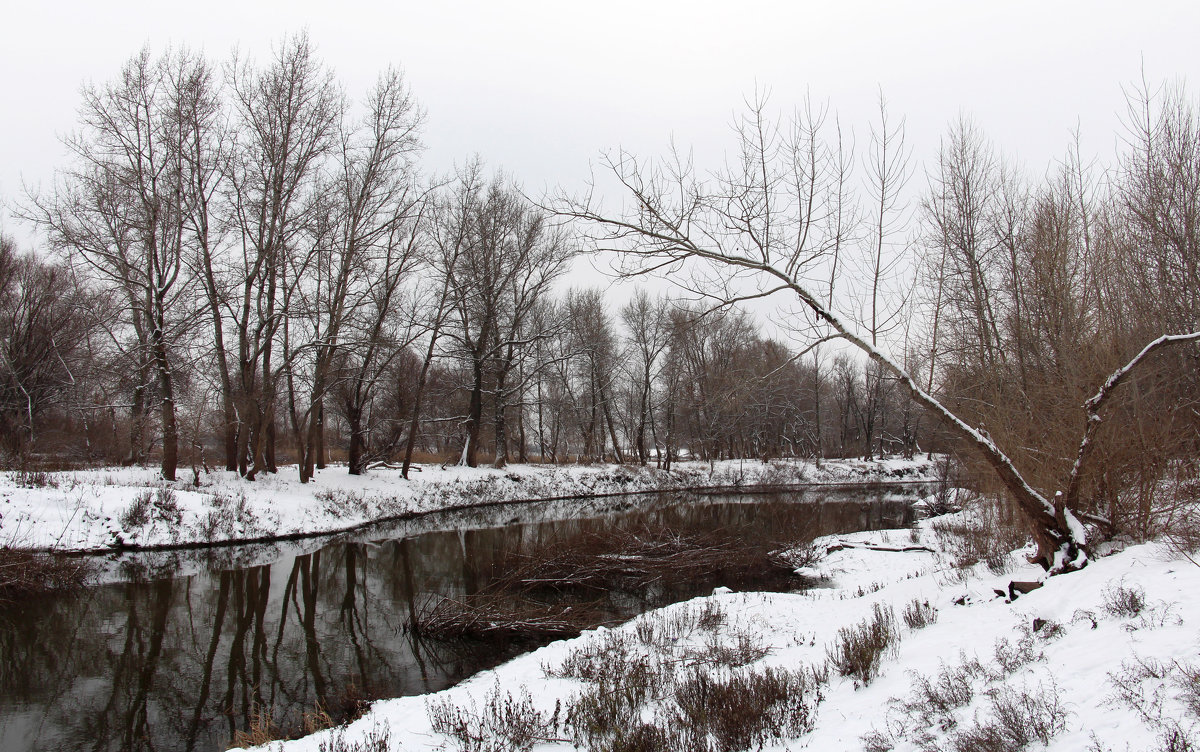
121 509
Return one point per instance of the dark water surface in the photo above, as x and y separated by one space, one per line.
234 637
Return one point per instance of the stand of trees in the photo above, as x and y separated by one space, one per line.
1043 297
245 271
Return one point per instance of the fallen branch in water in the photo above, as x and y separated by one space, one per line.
876 547
487 615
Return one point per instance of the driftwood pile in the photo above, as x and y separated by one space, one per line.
555 590
632 559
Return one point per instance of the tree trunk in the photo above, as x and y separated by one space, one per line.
354 453
320 444
170 431
474 418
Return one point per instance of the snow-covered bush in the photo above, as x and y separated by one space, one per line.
919 614
377 739
989 532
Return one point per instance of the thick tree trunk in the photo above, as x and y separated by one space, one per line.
230 432
137 426
501 433
474 418
612 429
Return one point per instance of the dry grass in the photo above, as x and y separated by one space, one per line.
859 651
378 739
261 730
677 682
24 574
505 723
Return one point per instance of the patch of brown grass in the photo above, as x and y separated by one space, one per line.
24 574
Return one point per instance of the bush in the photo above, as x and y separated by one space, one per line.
932 702
989 535
137 514
151 506
228 518
378 739
697 698
745 710
1124 602
859 651
1018 718
338 502
24 478
919 614
166 507
24 574
504 724
1011 656
1142 684
746 648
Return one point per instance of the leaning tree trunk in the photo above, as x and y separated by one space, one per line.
1060 538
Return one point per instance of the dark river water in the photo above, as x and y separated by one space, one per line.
184 650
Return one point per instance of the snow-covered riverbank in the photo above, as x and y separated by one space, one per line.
1101 659
131 507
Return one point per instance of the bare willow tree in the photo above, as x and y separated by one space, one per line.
45 323
760 226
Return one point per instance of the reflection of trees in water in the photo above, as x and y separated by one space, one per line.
184 664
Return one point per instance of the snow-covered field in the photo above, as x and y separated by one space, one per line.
1124 621
132 507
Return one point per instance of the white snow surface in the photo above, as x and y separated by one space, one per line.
95 510
1077 662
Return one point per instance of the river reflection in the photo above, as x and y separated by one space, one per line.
191 662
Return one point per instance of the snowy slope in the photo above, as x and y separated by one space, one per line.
1074 662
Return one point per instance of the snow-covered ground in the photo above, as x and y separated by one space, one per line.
132 507
1126 621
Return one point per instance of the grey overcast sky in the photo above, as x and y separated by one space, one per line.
539 88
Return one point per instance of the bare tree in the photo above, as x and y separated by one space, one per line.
287 118
45 322
366 242
887 173
121 211
745 226
510 254
647 322
593 343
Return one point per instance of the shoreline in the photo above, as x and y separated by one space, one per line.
115 511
